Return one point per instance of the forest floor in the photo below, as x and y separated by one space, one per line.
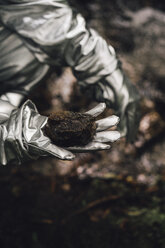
50 211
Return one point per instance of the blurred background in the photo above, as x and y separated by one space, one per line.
107 199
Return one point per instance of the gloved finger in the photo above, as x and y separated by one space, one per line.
107 136
51 149
92 146
107 122
97 110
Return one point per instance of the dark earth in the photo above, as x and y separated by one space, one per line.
107 199
67 128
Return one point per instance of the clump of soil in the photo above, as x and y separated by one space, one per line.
66 128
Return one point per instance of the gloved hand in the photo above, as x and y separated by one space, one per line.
22 138
121 95
102 137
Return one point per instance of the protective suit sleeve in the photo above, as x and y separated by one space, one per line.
57 35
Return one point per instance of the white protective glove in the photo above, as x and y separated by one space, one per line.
22 138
